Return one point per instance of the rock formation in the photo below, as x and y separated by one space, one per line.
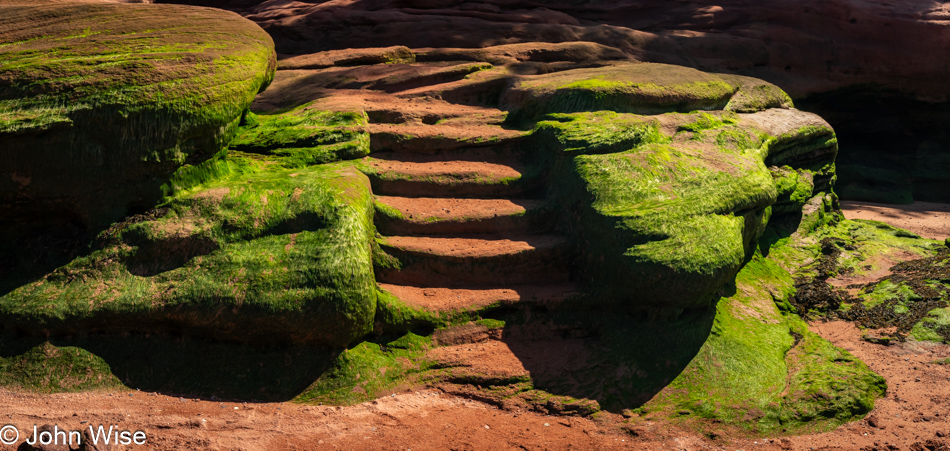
100 104
524 204
869 62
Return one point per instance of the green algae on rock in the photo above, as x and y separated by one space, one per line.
763 370
668 208
272 242
101 103
53 369
266 256
642 88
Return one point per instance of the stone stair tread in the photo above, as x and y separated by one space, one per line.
474 133
447 299
435 209
484 361
475 247
416 138
445 172
471 155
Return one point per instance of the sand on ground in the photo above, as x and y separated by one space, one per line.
927 219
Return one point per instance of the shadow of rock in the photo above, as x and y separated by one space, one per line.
181 366
621 360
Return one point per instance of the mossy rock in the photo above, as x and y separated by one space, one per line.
642 88
47 368
761 369
668 208
264 255
101 103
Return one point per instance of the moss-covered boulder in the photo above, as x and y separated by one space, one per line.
50 369
101 103
264 247
642 88
668 208
670 221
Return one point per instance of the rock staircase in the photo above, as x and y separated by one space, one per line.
472 229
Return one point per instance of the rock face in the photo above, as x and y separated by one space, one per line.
668 207
539 205
805 47
873 62
101 103
265 246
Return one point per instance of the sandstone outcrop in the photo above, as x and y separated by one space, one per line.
805 47
572 227
871 62
100 103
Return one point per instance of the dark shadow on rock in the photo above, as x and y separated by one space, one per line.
892 149
780 227
34 244
619 359
169 253
182 366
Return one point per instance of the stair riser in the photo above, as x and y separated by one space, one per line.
535 266
537 221
394 142
428 188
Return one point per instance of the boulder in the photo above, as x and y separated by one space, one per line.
667 208
101 103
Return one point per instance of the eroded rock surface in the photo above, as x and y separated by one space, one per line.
875 65
571 227
100 103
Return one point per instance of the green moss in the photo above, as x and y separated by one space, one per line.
795 188
597 132
274 255
827 384
491 323
761 369
643 88
134 56
306 130
706 121
103 102
368 370
755 95
685 209
930 328
51 369
388 212
887 290
393 315
667 211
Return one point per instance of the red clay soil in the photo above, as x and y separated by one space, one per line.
927 219
912 416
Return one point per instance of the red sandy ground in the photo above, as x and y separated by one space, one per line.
927 219
915 410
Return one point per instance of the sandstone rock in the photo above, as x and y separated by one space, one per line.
668 208
349 57
805 47
101 103
841 51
